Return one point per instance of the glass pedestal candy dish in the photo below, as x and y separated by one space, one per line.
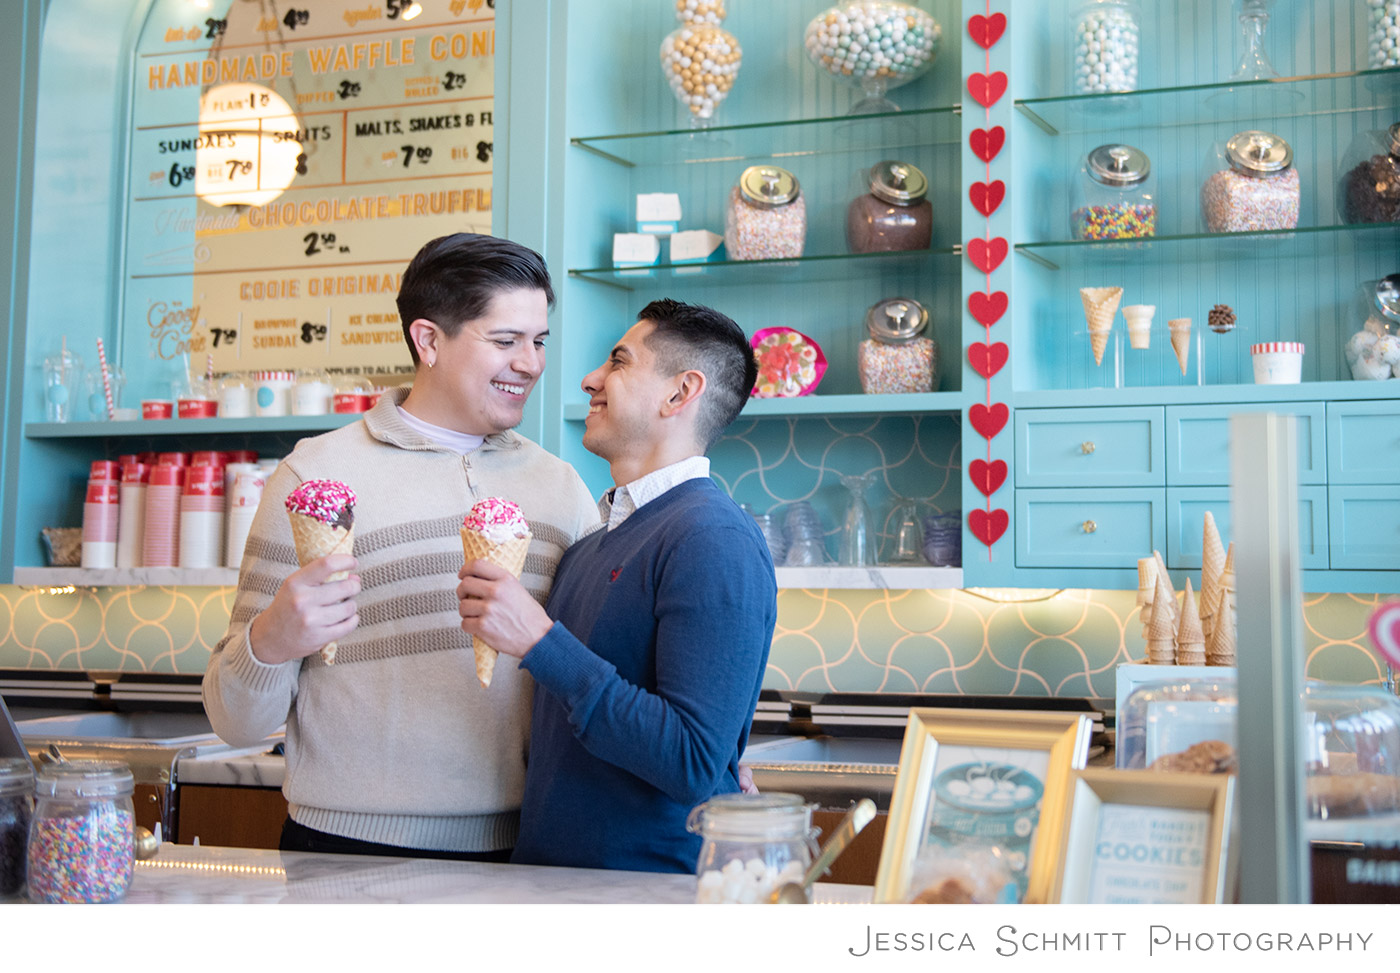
1105 40
1253 185
700 59
1383 47
751 845
1254 63
789 363
876 44
1369 190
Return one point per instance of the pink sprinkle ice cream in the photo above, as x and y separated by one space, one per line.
328 501
497 520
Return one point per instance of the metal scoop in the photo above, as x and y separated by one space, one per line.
794 893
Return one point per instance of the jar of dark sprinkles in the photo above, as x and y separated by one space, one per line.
16 809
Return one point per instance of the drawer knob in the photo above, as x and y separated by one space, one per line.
1090 526
1086 447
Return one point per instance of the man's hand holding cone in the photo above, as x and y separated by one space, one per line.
322 514
495 531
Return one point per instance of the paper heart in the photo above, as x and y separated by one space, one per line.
987 196
986 89
987 477
987 142
986 255
987 359
987 308
988 527
988 420
986 31
1384 627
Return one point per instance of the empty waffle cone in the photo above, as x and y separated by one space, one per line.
1100 308
1221 651
511 556
1162 625
1212 567
315 539
1181 340
1190 640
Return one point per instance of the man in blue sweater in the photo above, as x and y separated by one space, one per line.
649 655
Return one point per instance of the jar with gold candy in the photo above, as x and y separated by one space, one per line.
700 59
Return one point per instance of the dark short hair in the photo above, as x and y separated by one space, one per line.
692 336
453 279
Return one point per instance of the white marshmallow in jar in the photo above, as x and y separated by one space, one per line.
1105 41
751 845
1383 49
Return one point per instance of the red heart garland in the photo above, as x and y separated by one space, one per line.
986 89
987 359
988 527
987 308
987 142
986 31
986 255
987 477
987 196
988 420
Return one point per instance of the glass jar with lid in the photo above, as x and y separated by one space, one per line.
311 396
1373 352
1105 38
1114 197
766 217
897 357
1179 725
235 396
1352 759
751 844
894 215
1252 185
1369 190
82 837
16 808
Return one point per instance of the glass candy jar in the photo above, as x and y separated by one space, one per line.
1104 37
1374 351
311 396
82 837
235 396
894 215
16 808
752 844
700 59
766 217
1186 725
1369 190
1113 197
897 357
1252 185
1352 759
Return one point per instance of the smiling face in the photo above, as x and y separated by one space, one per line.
625 399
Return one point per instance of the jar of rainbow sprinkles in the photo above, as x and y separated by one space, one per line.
82 837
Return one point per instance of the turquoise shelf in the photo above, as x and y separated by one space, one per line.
1208 394
1209 104
808 269
187 427
831 405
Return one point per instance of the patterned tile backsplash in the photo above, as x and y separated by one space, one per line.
1066 644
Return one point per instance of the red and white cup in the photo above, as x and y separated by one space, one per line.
157 409
192 408
101 513
1277 362
243 500
350 402
172 459
160 544
202 517
131 524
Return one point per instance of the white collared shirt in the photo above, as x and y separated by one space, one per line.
622 502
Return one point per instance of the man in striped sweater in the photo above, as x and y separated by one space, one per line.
396 748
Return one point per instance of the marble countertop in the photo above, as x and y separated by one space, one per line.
253 767
197 874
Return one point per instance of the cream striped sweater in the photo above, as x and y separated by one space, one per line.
397 742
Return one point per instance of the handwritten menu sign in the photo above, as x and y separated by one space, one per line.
284 170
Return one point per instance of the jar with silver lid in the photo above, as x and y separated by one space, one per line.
16 808
897 357
894 215
1369 190
1114 198
1252 185
1373 352
82 839
751 845
766 218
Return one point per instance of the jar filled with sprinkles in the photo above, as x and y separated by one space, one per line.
82 837
1253 185
1114 198
897 357
766 218
16 808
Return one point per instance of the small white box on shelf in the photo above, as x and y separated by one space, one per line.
696 247
658 213
636 250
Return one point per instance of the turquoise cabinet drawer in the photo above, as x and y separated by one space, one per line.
1364 522
1186 513
1089 447
1198 441
1363 442
1088 528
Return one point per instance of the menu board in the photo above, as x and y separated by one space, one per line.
284 170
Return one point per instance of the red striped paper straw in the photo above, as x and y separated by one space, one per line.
209 368
106 381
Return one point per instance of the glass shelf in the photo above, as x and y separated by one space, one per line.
1305 241
820 267
1207 104
771 140
818 405
188 427
1328 391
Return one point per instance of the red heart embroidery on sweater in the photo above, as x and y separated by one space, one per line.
987 359
986 31
988 421
987 142
987 196
987 477
986 527
986 89
986 255
987 308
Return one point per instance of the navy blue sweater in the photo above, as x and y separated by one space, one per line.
647 683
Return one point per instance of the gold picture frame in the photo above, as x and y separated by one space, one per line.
1139 836
1030 753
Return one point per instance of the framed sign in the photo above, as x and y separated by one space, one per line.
979 793
1139 837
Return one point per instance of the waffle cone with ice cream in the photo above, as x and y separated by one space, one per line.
1100 308
322 513
495 530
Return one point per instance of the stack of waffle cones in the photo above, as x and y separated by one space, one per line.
511 556
1220 649
315 539
1161 624
1212 567
1181 341
1190 640
1100 308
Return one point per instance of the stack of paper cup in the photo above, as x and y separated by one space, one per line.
202 518
160 544
101 515
132 526
243 500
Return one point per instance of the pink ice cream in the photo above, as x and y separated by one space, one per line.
497 520
328 501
